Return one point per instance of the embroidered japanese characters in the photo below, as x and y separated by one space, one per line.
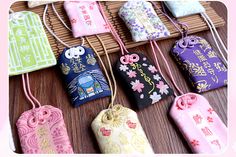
200 63
82 75
85 18
199 124
118 131
182 8
29 49
143 80
42 131
142 21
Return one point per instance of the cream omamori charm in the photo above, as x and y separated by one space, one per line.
118 131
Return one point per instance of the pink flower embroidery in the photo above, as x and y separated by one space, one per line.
210 110
210 120
163 87
137 86
131 73
73 21
198 119
195 143
152 69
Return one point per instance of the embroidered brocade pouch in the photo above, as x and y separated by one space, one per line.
118 131
29 48
85 18
143 80
42 131
82 75
142 21
199 123
182 8
200 63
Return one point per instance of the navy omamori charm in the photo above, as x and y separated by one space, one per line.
82 75
143 80
200 63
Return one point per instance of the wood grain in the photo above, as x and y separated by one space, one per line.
47 85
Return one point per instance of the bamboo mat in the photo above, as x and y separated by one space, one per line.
195 23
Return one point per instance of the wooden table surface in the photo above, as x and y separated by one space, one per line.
47 85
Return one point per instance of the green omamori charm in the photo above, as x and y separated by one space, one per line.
29 48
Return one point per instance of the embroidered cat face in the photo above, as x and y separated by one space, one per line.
82 75
200 63
142 79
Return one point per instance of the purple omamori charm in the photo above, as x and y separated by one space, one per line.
200 63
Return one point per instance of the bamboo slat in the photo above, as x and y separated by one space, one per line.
195 23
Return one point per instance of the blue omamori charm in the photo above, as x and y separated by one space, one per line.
82 75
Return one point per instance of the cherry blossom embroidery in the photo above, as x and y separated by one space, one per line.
209 119
210 110
198 119
157 77
123 67
155 97
73 21
163 87
152 69
195 143
131 74
137 86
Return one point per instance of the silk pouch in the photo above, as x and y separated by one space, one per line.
200 63
85 18
32 4
198 122
118 131
142 21
143 80
82 75
182 8
42 131
29 48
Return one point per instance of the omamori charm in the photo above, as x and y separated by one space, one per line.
118 131
82 75
200 63
42 131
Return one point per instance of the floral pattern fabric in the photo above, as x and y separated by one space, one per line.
182 8
85 18
42 131
200 63
143 80
142 21
199 123
118 131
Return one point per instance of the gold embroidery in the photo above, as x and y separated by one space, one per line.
146 78
202 85
194 69
65 69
